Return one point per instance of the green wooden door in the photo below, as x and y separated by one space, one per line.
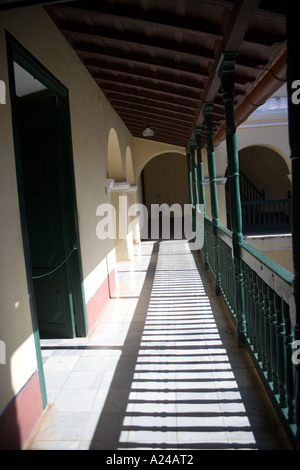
45 210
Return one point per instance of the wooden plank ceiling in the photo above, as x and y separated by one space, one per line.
155 60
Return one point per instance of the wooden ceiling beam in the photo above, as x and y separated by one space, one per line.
115 56
156 106
180 118
156 99
133 73
147 116
144 85
170 96
133 16
109 35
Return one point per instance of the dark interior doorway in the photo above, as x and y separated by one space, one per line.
47 197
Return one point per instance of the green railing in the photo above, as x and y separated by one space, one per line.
265 216
267 313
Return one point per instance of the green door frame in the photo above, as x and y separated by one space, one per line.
17 53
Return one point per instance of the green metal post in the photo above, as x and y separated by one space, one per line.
194 181
207 112
226 74
197 132
190 179
201 193
293 85
194 170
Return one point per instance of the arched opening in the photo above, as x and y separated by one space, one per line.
114 158
264 189
266 169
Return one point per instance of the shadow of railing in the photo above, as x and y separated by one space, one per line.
180 382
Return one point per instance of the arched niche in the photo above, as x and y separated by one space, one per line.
114 158
129 167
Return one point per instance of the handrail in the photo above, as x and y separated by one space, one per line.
268 216
272 273
248 189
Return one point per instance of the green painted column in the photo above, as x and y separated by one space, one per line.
197 132
201 193
190 178
208 121
194 181
194 171
293 88
226 73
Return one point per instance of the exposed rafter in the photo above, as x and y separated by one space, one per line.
156 61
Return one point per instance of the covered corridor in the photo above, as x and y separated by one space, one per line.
161 369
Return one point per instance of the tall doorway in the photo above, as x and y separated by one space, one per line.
47 197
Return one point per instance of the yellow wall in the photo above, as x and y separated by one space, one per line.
92 120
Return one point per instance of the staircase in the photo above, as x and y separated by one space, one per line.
258 214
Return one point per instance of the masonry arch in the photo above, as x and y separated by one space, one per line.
114 157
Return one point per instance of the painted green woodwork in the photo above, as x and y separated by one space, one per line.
268 329
226 73
194 181
190 176
293 77
200 179
207 112
16 53
194 171
43 191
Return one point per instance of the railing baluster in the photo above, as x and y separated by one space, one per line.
255 315
289 366
268 329
260 313
267 333
280 350
273 342
251 306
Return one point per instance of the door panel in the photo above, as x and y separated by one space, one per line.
44 200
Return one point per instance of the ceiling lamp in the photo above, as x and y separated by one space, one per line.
148 132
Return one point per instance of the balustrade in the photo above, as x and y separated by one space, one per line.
268 328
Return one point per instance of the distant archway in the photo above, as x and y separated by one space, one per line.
165 179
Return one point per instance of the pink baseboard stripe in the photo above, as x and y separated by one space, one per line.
22 415
99 301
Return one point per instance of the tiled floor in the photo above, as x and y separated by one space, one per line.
160 371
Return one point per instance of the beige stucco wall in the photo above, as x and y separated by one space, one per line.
278 247
92 119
